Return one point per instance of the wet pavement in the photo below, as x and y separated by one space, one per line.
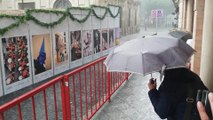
130 102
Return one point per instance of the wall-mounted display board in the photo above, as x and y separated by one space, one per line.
15 57
87 37
104 41
41 47
111 25
111 38
75 38
96 24
60 44
38 44
104 34
87 45
97 43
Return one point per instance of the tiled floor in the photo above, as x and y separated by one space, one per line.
130 102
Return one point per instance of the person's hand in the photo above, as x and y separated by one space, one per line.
152 84
201 108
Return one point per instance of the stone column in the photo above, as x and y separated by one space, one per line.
181 16
207 46
198 33
189 14
184 15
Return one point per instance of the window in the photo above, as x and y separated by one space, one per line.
62 4
24 6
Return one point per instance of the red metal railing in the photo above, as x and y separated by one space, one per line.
76 95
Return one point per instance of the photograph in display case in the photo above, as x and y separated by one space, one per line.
61 55
41 53
111 38
104 39
76 52
97 40
15 56
117 36
87 43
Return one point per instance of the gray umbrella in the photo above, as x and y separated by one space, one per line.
147 55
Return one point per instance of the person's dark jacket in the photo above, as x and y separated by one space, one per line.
169 101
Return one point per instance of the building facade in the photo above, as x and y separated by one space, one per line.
130 9
196 17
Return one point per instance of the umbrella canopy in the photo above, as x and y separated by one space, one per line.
147 55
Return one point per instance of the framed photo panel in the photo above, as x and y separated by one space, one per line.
104 31
61 58
96 24
97 43
15 58
104 41
87 45
111 38
42 57
76 48
41 48
16 69
117 36
87 38
75 40
60 45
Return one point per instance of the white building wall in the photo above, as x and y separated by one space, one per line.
43 4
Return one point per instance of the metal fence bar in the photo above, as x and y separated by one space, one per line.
95 88
85 83
2 116
45 105
103 85
64 106
75 112
109 85
19 111
67 97
33 107
90 84
55 103
99 81
79 78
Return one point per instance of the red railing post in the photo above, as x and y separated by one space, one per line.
109 85
63 100
65 96
126 76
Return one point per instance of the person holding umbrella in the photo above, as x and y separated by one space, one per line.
175 99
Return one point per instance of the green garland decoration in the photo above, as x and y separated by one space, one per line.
102 7
79 8
20 20
43 24
28 16
14 17
110 12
